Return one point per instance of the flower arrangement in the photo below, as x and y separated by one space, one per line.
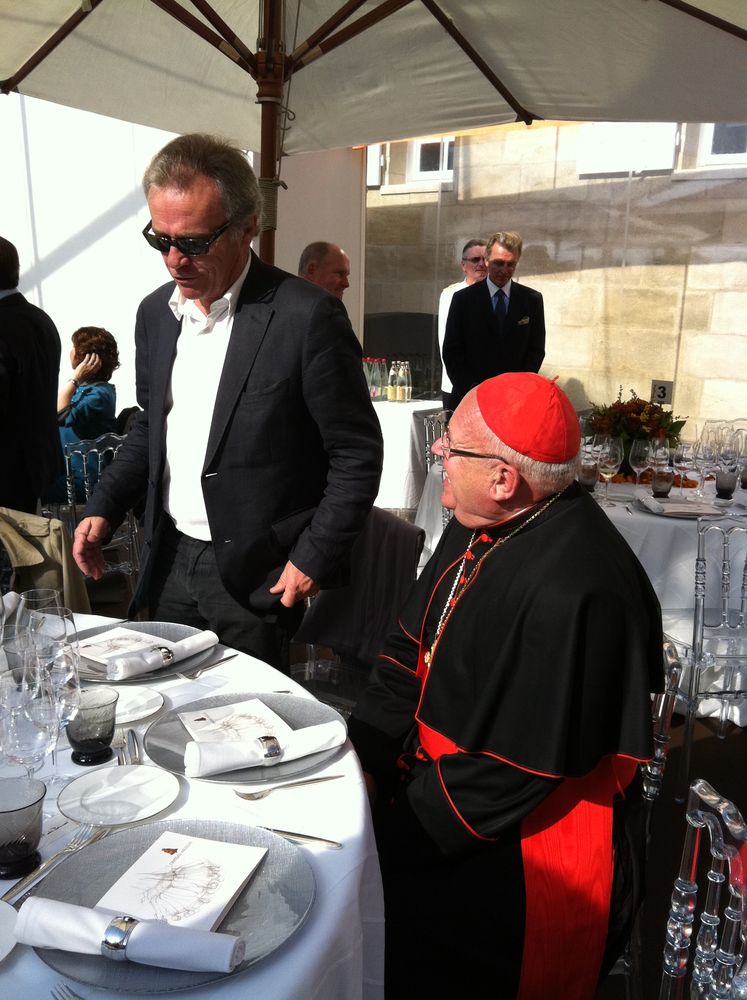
635 418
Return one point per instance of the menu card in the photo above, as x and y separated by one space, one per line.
185 881
244 720
119 642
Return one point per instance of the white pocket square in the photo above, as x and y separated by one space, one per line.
524 320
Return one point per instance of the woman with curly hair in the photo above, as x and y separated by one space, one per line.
86 403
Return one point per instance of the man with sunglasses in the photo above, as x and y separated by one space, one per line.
475 269
494 326
504 722
258 450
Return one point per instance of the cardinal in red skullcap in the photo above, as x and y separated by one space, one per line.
505 721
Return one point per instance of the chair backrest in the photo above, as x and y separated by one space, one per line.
732 612
434 425
354 620
720 942
93 455
661 711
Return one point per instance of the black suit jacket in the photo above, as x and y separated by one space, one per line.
294 453
475 348
29 370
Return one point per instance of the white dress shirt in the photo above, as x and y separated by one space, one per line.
198 365
444 303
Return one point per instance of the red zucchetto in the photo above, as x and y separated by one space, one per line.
530 414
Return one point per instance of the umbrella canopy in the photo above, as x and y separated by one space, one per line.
327 76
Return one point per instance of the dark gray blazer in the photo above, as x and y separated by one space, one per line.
476 348
294 453
29 371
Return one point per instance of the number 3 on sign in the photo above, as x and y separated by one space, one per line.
661 392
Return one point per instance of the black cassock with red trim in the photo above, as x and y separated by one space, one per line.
505 749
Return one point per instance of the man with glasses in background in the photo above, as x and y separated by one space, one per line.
258 450
475 269
504 722
495 326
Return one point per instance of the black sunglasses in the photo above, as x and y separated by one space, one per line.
190 246
473 260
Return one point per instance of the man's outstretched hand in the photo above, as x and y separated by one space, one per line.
90 535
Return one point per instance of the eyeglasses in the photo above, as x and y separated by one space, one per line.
190 246
447 451
473 260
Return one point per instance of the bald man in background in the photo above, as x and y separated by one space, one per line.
327 265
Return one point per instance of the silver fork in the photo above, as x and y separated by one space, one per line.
119 743
63 992
84 836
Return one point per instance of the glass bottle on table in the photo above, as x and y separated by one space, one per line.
392 384
401 382
408 382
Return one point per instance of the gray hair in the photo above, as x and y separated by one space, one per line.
9 265
314 253
472 243
196 154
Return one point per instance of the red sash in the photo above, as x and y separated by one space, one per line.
566 847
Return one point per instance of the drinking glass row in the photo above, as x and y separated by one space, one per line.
721 457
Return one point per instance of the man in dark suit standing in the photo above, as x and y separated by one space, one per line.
258 450
496 325
29 369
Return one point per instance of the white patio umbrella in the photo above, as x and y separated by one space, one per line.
297 75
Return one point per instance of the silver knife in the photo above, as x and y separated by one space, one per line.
303 838
133 747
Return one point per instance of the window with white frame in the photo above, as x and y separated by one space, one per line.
722 144
431 159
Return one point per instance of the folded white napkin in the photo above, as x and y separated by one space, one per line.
119 668
651 504
205 758
10 602
48 923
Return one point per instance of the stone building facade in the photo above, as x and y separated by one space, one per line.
637 244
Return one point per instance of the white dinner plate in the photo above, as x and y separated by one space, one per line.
137 703
95 673
269 909
166 738
111 796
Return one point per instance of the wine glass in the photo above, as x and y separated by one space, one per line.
28 717
640 458
52 624
36 600
682 460
54 639
57 663
610 459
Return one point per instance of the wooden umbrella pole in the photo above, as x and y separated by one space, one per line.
270 72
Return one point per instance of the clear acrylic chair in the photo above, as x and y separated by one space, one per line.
713 635
717 968
652 773
88 459
435 426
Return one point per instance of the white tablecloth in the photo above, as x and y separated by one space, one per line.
667 548
404 469
339 950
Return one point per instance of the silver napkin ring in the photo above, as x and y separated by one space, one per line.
116 937
166 653
271 746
